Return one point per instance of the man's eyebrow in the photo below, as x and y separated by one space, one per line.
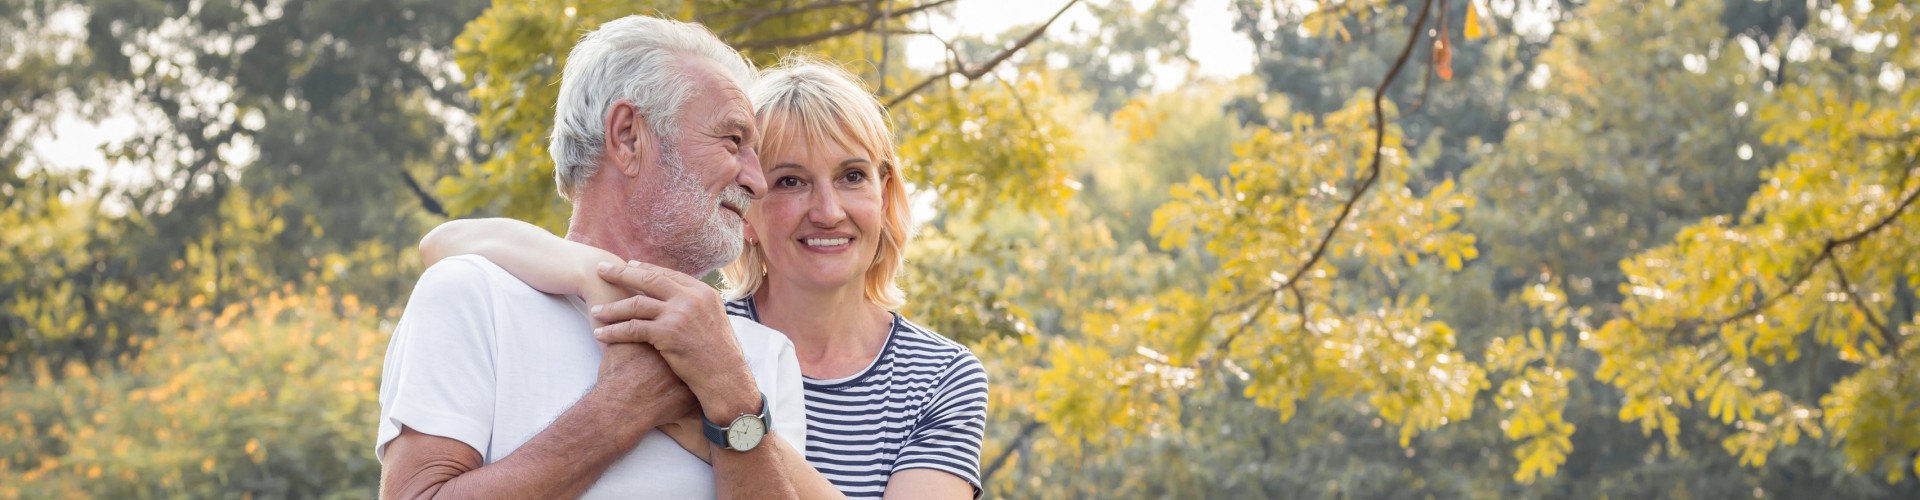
735 124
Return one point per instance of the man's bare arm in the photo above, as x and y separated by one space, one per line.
636 393
686 321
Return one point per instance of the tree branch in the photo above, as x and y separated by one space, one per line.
1021 103
1026 432
1826 254
874 16
883 50
1373 170
1292 281
1340 12
1886 335
1901 137
426 199
960 67
762 13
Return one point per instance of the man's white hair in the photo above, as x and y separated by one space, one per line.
635 58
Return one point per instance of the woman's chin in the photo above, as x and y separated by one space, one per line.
821 280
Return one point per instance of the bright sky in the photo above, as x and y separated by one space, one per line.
1220 52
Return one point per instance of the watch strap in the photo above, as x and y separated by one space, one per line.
718 435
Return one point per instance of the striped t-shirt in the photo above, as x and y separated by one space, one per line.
921 404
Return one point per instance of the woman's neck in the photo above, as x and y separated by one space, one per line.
835 333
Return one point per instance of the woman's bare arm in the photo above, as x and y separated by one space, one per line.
544 261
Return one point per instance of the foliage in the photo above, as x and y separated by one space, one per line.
1614 249
1286 188
970 143
1705 310
514 52
272 398
261 132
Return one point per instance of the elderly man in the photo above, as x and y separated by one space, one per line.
494 389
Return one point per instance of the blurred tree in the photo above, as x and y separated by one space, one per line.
1115 56
1696 219
269 400
513 53
318 110
1818 265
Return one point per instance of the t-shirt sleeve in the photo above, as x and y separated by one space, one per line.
439 373
948 434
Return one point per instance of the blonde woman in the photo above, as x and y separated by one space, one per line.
893 409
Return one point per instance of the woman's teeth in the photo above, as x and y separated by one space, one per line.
826 242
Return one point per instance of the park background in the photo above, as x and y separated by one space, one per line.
1599 248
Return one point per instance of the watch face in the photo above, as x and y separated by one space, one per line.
745 433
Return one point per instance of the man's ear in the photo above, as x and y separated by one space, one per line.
629 141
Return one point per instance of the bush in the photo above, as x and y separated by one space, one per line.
275 398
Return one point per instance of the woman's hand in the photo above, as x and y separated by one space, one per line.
687 432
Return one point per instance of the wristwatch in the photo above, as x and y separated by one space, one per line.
744 433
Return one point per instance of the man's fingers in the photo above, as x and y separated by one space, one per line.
639 307
627 332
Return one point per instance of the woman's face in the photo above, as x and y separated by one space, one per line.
819 223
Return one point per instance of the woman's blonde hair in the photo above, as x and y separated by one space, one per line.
805 101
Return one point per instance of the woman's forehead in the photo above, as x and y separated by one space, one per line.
791 137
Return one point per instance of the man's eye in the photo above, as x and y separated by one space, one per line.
736 139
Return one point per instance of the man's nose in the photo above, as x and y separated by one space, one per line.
751 177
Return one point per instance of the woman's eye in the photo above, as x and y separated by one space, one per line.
856 176
787 182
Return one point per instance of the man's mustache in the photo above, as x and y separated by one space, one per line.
736 197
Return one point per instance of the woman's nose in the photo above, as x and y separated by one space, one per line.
826 211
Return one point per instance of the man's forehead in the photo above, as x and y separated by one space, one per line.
713 86
709 76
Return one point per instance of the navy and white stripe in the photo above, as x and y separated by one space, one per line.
921 404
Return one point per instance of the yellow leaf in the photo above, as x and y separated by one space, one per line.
1473 22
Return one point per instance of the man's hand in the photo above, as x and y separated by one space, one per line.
635 373
684 319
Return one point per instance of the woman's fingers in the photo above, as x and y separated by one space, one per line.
649 280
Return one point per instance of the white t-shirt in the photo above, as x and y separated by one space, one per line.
482 358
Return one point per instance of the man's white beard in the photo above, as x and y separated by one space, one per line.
689 226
